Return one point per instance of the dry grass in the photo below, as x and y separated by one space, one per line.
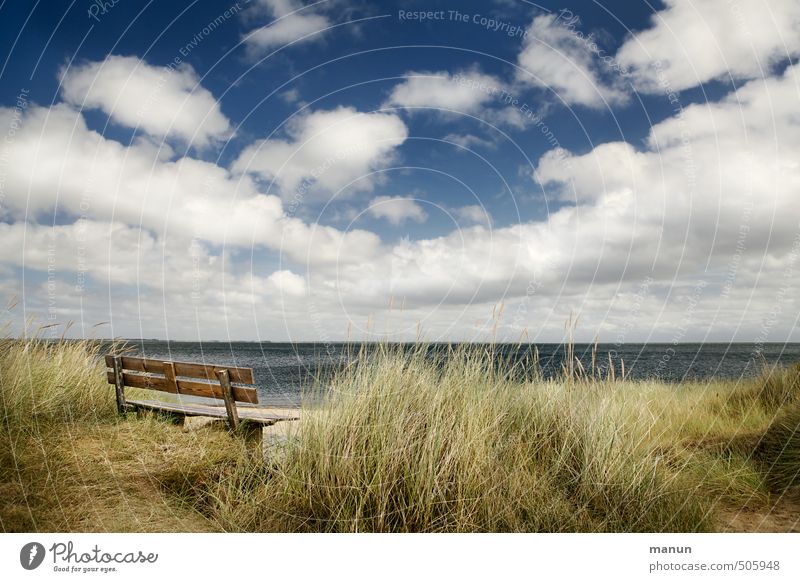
779 451
401 442
405 442
68 463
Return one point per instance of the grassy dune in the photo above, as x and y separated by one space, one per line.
405 442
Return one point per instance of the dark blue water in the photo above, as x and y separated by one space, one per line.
283 370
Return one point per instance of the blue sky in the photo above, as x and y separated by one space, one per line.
279 170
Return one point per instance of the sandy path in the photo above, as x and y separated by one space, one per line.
782 516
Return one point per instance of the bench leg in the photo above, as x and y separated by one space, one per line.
227 396
119 386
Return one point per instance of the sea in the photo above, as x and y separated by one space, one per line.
286 372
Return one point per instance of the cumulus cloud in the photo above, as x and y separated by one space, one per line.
695 41
555 58
705 213
721 176
112 252
288 283
144 283
164 102
56 163
472 214
397 209
463 92
325 151
291 24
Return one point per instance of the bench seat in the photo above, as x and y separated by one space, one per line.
261 415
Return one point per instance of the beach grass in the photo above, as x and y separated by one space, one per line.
401 440
69 463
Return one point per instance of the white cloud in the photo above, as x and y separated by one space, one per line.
469 141
467 93
291 24
288 283
720 175
111 252
160 101
144 284
707 210
326 151
463 92
695 41
472 214
397 209
555 58
56 162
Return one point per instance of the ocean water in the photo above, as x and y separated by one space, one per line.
284 371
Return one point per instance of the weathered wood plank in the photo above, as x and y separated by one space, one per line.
185 387
119 384
227 396
171 381
253 414
185 369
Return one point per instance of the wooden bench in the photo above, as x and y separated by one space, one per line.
225 383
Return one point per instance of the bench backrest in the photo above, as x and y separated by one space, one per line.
186 378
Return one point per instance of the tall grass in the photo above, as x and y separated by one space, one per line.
45 381
409 442
775 388
69 463
420 440
779 451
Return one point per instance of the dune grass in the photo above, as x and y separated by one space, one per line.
405 442
400 441
69 463
779 450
